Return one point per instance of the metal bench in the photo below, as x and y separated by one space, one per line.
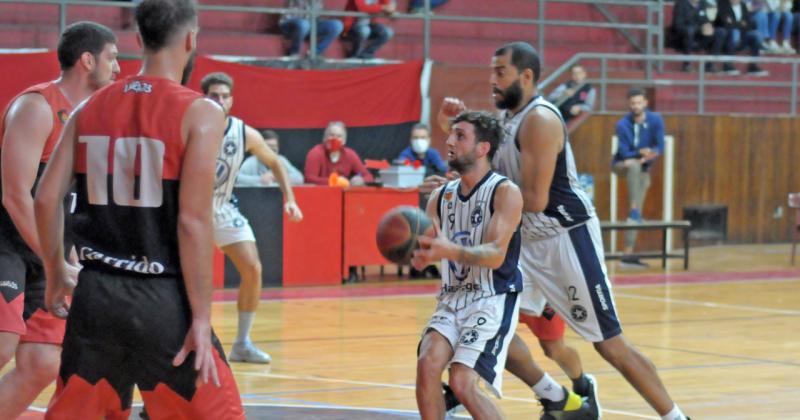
662 225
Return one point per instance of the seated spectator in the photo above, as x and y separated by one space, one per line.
253 173
780 11
734 17
575 96
420 151
296 28
692 29
418 6
333 156
366 34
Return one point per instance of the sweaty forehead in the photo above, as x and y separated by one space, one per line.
501 61
463 127
219 89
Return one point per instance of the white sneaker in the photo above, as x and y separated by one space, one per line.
247 352
773 47
786 47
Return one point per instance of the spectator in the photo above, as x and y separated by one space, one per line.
760 20
740 33
640 137
780 10
253 173
692 29
333 156
296 28
366 34
418 6
575 96
420 151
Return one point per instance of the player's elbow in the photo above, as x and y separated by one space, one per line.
192 226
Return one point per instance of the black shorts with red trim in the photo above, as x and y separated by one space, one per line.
22 285
124 331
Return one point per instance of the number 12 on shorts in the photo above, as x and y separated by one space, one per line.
137 169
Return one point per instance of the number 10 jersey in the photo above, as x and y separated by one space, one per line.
128 161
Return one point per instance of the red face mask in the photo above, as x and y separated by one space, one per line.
334 144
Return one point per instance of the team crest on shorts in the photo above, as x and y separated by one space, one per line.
238 222
578 313
469 337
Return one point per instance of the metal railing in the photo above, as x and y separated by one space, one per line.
653 27
701 82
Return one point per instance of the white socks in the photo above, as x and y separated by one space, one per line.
674 414
549 389
245 324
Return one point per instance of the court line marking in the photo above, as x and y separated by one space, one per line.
406 387
708 304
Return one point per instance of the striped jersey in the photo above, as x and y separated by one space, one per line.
229 160
465 220
567 204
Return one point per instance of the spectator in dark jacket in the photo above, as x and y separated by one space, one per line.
735 18
692 29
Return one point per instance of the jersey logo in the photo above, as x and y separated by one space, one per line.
469 337
460 271
63 115
229 148
222 173
138 87
477 215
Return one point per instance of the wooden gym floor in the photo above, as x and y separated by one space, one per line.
724 337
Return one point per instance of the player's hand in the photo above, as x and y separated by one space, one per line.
431 249
451 107
293 211
59 288
431 183
198 340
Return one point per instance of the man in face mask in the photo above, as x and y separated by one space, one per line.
333 156
420 151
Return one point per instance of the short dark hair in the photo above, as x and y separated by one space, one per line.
421 126
523 56
269 134
487 127
637 91
216 78
159 20
81 37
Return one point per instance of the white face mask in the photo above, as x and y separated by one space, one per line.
420 145
335 156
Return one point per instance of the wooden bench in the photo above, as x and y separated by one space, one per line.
664 226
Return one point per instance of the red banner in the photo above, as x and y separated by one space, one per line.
275 98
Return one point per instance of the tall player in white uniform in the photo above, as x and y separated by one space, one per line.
562 248
477 219
232 231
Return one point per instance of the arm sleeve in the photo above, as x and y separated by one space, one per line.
588 104
312 169
358 166
295 176
250 174
625 149
406 154
557 93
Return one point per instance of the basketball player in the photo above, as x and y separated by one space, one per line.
29 130
562 248
232 231
142 152
477 219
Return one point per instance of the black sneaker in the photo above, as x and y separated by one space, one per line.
589 395
728 69
451 403
629 262
573 407
754 70
711 68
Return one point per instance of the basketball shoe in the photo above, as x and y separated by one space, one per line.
573 407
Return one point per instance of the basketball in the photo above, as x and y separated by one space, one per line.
398 231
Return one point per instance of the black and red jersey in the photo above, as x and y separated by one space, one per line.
128 161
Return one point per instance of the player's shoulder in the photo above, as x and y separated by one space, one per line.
505 189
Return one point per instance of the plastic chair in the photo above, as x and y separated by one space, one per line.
794 203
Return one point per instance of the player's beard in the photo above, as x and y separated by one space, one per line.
187 70
512 96
464 163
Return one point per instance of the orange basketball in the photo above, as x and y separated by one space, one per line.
398 231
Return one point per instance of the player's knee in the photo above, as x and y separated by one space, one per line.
463 384
41 369
551 349
614 351
6 353
427 366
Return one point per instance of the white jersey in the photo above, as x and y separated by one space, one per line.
465 221
567 204
229 160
